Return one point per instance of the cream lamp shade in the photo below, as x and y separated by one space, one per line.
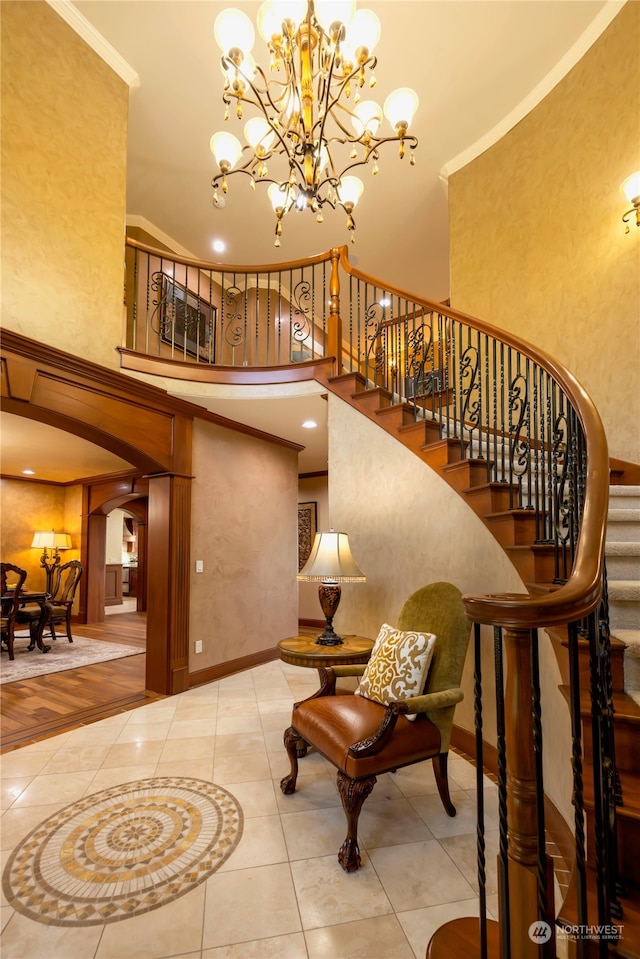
48 539
330 563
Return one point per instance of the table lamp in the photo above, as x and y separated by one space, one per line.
50 540
330 563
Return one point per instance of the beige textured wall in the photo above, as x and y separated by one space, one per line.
537 242
64 132
407 528
27 507
244 528
313 489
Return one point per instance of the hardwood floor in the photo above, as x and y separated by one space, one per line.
38 708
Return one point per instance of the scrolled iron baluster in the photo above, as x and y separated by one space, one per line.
470 407
234 329
519 445
301 326
374 320
544 912
419 352
160 313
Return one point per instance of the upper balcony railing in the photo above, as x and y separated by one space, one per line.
511 408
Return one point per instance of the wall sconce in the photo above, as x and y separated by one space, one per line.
631 189
50 540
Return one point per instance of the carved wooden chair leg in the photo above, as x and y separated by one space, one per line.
291 740
442 782
353 793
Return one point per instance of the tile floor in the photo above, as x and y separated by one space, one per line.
281 893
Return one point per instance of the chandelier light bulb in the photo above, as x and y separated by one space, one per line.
278 196
280 10
334 11
233 29
364 30
267 22
400 107
227 150
368 117
259 135
350 190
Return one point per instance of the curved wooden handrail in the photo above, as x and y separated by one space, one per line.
572 600
582 591
228 267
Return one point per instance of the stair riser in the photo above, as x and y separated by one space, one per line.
624 615
631 672
628 844
513 530
624 500
623 567
621 530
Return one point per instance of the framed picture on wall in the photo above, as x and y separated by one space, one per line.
307 526
187 322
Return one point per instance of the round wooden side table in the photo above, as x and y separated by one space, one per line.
304 651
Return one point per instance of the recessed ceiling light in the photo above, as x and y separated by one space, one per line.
219 246
309 425
29 472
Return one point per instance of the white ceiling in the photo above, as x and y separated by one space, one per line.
476 64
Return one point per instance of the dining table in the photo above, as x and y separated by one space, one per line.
37 628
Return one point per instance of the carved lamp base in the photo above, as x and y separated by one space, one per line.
329 595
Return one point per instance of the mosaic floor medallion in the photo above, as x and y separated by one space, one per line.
123 851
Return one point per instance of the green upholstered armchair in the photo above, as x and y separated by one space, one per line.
364 739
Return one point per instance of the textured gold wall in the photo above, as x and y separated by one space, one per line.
537 242
64 133
27 507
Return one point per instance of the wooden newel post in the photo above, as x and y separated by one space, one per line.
521 803
334 328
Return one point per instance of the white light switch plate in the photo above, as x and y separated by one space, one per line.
199 566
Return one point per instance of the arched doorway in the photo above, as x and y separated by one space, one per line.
150 430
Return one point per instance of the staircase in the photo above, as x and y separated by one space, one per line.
516 529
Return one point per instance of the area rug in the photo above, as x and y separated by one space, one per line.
62 655
123 851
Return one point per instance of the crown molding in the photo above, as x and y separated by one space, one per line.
597 26
94 39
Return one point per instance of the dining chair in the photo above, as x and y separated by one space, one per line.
401 713
61 603
10 603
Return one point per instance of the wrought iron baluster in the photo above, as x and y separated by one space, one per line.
503 862
545 913
480 830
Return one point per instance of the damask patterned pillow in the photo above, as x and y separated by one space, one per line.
398 666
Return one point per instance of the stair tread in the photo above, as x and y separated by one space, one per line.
630 808
629 944
624 706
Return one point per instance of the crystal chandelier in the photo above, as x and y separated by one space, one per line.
312 126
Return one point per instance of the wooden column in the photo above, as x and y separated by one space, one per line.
168 556
461 937
521 802
334 329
